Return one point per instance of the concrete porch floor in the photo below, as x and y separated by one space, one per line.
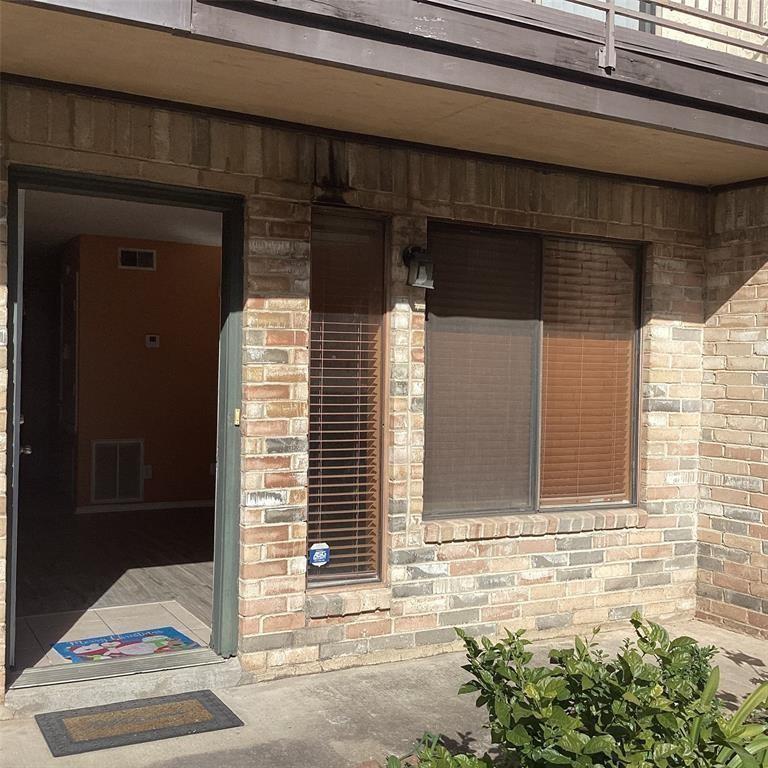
341 719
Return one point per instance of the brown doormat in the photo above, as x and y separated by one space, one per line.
73 731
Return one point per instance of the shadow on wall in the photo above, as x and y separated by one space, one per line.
733 274
738 256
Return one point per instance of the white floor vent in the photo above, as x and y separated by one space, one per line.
117 471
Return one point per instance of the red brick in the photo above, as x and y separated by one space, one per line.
368 628
284 622
267 392
265 533
260 570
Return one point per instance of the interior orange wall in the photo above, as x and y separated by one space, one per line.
167 396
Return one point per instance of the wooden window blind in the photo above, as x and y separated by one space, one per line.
589 322
481 351
347 307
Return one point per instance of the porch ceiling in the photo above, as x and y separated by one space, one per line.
137 60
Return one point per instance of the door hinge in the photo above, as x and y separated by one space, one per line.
236 417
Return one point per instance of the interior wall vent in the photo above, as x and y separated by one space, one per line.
117 470
136 258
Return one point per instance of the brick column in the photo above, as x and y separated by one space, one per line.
406 391
670 427
275 429
733 519
407 551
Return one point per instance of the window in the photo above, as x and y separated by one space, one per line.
530 355
347 307
481 352
587 372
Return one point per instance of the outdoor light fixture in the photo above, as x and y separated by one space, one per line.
419 267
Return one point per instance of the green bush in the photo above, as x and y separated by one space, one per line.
654 705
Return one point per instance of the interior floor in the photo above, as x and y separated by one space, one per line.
91 575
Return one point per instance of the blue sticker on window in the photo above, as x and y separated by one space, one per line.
319 554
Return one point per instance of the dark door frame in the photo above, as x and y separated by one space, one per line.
224 634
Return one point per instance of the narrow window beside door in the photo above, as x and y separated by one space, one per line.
347 306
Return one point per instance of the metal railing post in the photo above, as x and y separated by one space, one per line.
607 55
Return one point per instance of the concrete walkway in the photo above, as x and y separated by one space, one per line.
341 719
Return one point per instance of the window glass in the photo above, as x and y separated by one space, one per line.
347 305
588 358
481 351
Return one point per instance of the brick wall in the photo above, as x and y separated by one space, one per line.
549 572
733 525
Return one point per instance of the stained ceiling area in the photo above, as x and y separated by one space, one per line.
53 218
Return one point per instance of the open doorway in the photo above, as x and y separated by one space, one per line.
119 497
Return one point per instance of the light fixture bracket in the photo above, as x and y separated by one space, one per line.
419 264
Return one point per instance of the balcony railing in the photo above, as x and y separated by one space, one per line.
736 27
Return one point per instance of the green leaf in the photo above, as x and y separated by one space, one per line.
747 760
600 745
710 689
553 757
554 687
667 720
632 662
518 736
559 718
531 691
757 698
573 742
501 708
695 732
663 750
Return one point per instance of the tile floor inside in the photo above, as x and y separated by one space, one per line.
85 576
36 635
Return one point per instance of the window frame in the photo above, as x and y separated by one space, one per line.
382 544
537 405
534 446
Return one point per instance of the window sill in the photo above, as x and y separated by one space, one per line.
532 524
348 600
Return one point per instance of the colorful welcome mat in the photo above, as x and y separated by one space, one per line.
128 645
132 722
